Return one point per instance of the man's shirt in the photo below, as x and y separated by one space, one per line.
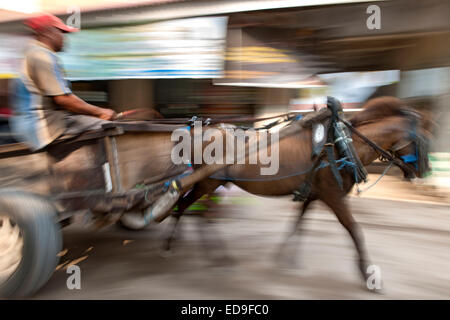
37 119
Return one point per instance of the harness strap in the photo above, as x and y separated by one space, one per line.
376 147
409 158
305 188
329 149
359 190
399 145
333 105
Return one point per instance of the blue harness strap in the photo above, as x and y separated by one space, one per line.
409 158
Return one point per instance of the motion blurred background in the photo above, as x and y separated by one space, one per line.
259 58
254 58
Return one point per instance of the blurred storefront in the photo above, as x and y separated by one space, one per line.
125 49
250 57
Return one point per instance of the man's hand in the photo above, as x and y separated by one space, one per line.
74 104
107 114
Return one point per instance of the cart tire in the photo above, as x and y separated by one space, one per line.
34 220
133 221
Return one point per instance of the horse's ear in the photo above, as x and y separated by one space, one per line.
425 117
428 122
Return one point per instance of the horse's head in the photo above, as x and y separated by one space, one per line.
413 147
411 144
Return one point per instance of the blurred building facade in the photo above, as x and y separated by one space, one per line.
262 58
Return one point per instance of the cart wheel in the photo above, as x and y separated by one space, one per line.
133 220
30 239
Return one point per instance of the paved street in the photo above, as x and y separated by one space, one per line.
409 241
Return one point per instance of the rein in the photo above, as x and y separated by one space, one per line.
132 115
385 154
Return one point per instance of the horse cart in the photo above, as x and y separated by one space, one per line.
124 173
113 175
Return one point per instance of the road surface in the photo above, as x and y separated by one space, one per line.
409 241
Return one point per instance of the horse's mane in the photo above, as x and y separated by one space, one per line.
379 108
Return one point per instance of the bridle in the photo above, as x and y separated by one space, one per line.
419 158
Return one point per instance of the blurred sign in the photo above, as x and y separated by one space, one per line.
351 88
424 82
354 88
263 57
11 54
187 48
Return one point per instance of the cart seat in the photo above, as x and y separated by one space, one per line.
110 128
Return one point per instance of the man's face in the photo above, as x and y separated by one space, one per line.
57 38
53 37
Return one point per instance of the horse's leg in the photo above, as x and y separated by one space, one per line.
288 241
206 187
215 247
171 236
196 193
305 206
183 204
342 212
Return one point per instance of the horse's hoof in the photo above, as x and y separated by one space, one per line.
165 253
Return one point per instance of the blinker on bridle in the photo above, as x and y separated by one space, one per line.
419 157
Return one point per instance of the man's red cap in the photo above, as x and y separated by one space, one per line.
48 20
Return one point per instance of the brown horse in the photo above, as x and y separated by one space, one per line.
386 121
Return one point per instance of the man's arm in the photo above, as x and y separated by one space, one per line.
74 104
48 77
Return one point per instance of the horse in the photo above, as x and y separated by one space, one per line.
385 125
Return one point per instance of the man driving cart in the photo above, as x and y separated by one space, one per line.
44 107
